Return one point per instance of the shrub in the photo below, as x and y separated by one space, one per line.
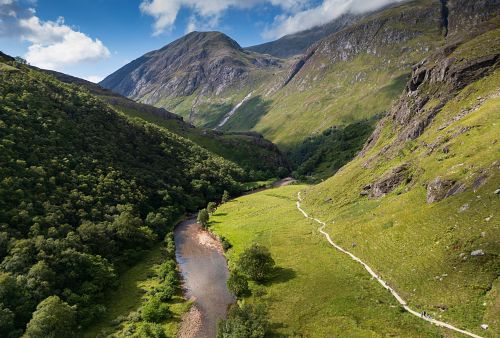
226 245
238 284
203 217
150 330
211 207
225 197
155 311
246 321
256 262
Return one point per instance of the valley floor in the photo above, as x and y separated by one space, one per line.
317 291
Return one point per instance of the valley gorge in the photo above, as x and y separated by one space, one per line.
340 181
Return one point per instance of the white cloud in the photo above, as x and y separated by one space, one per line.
52 44
55 45
327 11
94 78
205 13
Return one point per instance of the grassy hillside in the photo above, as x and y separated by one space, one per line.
422 198
316 291
84 193
353 74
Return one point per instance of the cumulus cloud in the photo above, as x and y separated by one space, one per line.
53 44
205 13
327 11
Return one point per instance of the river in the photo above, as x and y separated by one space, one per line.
204 271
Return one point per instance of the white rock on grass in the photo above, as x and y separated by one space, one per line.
477 253
484 326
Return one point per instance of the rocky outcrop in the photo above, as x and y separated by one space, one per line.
464 15
373 34
388 182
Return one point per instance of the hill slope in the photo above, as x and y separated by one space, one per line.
260 158
421 201
83 192
187 75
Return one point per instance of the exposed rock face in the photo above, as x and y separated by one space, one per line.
439 189
466 14
372 34
389 181
298 43
208 62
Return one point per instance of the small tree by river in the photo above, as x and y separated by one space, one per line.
203 217
256 262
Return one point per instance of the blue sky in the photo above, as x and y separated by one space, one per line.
93 38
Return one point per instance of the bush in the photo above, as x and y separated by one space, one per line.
246 321
256 262
226 245
225 197
238 284
155 311
203 217
165 292
211 207
150 330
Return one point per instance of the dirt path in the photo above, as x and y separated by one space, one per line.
379 279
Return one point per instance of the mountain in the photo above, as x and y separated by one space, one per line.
260 158
422 197
190 73
297 43
84 192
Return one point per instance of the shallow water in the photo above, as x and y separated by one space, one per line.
205 272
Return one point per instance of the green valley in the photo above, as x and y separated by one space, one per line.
340 177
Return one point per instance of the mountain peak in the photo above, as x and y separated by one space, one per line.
207 40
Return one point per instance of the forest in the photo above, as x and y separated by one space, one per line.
84 191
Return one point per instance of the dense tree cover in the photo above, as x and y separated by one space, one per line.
256 262
320 156
244 321
83 191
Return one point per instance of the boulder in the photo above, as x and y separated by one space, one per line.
437 189
390 180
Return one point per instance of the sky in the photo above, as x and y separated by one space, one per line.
93 38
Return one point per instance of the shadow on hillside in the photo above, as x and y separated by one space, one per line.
281 275
249 114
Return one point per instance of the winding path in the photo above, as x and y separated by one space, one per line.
379 279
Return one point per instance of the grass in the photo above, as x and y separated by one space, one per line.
316 291
7 68
134 283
